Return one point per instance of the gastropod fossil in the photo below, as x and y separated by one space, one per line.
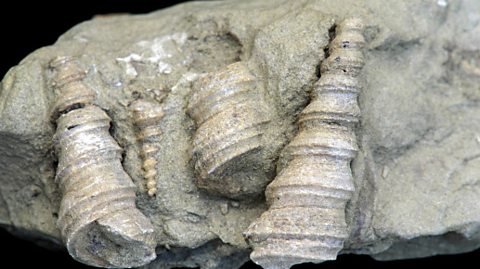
98 219
306 218
146 116
71 91
230 113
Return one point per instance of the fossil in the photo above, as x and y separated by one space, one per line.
229 112
72 92
306 218
418 132
98 219
146 115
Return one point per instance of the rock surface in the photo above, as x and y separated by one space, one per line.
417 174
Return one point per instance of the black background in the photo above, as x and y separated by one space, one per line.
25 27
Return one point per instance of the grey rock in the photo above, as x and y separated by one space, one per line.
417 172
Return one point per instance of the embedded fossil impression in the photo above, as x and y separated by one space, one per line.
98 219
230 112
306 218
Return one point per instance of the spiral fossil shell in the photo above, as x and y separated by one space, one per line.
306 218
146 115
68 81
98 219
229 112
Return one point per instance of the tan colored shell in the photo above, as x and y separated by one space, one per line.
68 80
306 218
146 116
230 113
98 219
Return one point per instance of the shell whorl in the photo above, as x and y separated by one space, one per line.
230 113
98 218
71 91
306 218
146 116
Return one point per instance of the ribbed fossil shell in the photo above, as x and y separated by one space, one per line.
146 116
98 219
72 92
230 113
306 218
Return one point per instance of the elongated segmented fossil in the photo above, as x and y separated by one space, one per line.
98 219
72 92
230 113
146 115
306 218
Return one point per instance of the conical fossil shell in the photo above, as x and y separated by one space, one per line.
68 81
98 219
306 218
146 116
230 113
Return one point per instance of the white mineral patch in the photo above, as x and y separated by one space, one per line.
385 171
442 3
155 52
129 68
80 38
164 68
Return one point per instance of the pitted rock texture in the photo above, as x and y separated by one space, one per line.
417 171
